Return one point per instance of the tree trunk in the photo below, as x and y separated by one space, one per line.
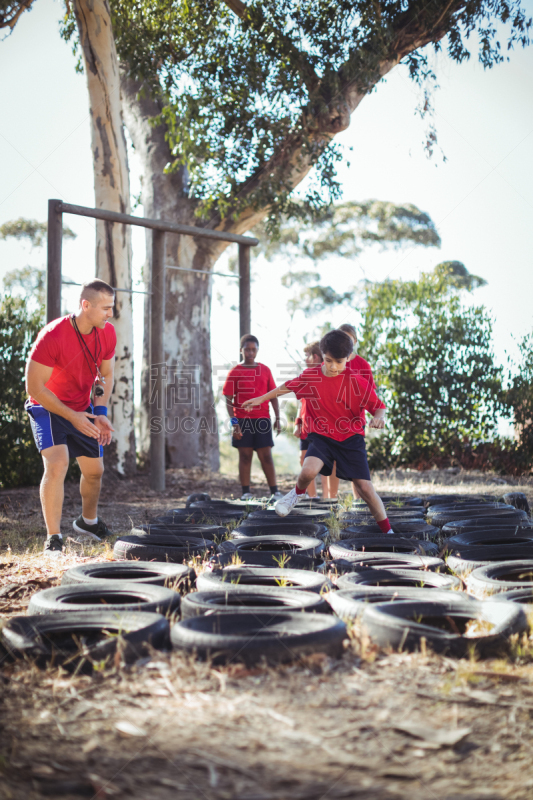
192 435
112 192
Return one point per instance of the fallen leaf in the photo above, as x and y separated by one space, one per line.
126 728
443 737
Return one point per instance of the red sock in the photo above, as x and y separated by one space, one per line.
385 525
300 491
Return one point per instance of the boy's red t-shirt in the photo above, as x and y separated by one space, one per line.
334 406
72 379
359 366
243 383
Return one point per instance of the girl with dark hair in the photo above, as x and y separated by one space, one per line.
252 429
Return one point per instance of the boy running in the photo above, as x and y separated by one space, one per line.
359 366
313 356
335 398
251 428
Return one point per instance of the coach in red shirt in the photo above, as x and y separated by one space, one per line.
73 358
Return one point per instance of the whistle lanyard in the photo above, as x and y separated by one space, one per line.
85 349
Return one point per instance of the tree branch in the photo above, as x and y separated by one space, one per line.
299 152
10 16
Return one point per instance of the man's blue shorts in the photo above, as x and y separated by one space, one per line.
304 443
51 429
256 433
350 456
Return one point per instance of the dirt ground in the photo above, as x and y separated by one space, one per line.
370 725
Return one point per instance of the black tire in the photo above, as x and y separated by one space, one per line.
160 548
366 518
467 525
175 576
297 551
284 526
518 500
497 537
466 559
242 578
251 637
405 499
407 530
522 596
212 532
403 625
381 544
440 518
501 577
351 603
386 561
252 601
195 497
458 499
399 577
56 638
305 529
193 516
119 597
310 514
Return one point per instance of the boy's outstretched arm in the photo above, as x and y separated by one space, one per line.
265 398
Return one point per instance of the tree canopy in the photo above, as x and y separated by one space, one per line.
252 95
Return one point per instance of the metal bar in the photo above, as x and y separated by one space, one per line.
203 271
157 401
130 291
53 267
245 320
155 224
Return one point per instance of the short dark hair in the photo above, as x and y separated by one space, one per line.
349 329
249 338
313 349
337 344
90 289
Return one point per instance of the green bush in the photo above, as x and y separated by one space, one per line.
20 462
436 370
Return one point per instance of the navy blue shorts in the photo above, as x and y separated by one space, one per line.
304 443
51 429
350 456
256 433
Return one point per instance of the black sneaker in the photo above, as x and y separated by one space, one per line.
53 545
98 531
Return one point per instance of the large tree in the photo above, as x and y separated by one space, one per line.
112 192
231 106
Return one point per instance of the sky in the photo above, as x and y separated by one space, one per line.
480 198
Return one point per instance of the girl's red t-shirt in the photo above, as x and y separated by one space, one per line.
58 346
243 383
334 406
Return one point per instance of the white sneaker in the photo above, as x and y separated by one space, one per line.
247 496
390 532
288 501
302 497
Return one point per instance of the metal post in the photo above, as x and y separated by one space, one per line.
53 271
245 315
157 357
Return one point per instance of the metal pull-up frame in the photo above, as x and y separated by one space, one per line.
56 209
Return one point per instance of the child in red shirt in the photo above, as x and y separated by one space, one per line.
251 428
313 356
359 366
335 398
